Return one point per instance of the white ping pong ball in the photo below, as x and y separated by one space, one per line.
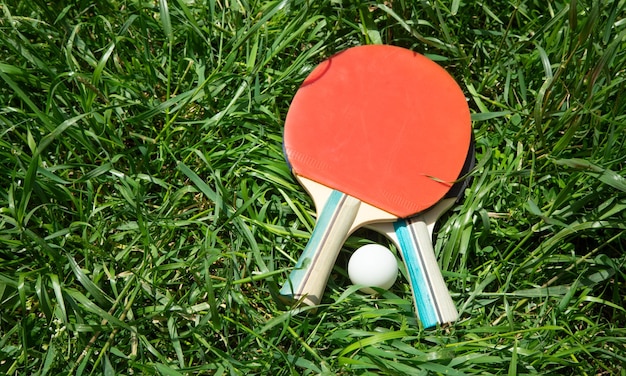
373 265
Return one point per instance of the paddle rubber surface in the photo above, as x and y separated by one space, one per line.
382 124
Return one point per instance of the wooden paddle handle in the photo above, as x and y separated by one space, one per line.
307 281
430 293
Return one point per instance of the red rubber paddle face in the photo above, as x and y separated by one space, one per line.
380 123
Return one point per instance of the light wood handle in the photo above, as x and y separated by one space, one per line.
307 281
430 292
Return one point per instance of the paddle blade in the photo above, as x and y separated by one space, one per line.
380 123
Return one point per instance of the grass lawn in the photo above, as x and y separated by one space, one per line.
148 218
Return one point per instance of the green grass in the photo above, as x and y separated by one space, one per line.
147 217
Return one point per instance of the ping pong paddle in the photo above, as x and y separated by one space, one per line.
374 133
413 237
